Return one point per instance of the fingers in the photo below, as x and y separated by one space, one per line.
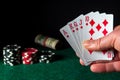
105 67
100 44
81 62
112 40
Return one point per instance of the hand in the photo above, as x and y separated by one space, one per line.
112 40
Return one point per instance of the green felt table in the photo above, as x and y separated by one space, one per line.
67 67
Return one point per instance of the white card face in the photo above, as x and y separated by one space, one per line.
79 35
70 39
75 29
104 27
92 30
86 27
90 26
86 33
73 26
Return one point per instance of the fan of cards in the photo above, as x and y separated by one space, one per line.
90 26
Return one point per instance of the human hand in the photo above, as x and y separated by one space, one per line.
112 40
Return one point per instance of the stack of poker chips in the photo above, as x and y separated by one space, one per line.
28 55
46 56
32 55
11 55
14 54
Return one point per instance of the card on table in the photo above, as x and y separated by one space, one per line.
90 26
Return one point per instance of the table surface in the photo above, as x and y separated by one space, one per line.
66 67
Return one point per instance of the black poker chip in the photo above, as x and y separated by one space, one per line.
11 54
46 56
43 56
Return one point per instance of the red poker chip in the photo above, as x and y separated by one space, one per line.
27 62
27 55
32 50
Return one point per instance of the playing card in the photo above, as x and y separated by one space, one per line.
86 35
97 26
75 28
90 26
70 39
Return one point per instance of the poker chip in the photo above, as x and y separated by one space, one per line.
14 55
46 56
28 55
11 54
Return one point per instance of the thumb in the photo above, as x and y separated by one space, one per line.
100 44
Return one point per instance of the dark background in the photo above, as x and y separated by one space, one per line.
48 17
